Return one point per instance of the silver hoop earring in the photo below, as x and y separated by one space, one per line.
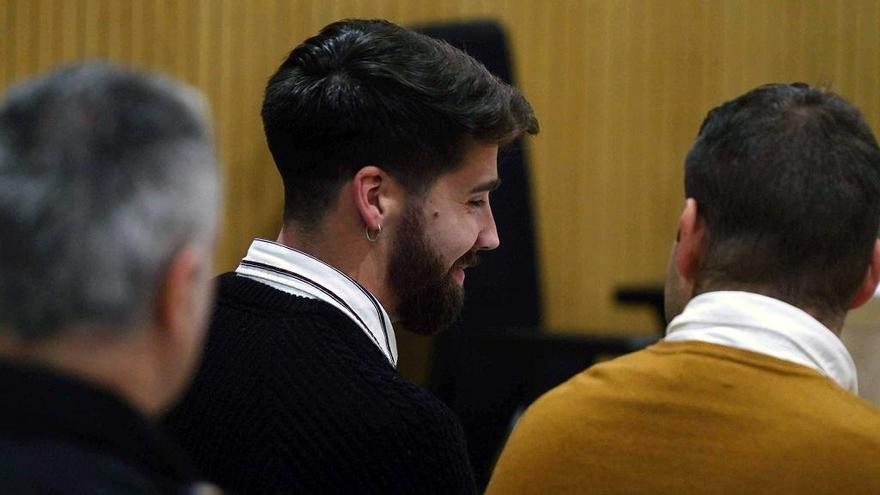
367 233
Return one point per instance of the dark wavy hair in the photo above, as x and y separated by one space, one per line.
366 92
787 178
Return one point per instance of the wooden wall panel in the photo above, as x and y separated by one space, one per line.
620 87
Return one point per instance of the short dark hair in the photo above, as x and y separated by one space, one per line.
787 179
367 92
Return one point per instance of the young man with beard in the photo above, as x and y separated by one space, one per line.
751 391
387 142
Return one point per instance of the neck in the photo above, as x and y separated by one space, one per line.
122 365
343 245
831 321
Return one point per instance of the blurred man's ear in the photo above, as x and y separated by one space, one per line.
183 303
872 279
691 242
177 290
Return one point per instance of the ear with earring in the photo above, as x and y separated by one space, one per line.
374 237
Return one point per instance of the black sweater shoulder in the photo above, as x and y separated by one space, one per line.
293 397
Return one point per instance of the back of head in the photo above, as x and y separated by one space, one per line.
372 93
787 179
104 174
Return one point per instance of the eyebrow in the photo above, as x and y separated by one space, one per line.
489 185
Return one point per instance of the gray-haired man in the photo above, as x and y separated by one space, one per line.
108 208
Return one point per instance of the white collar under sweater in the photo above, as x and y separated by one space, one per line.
301 274
764 325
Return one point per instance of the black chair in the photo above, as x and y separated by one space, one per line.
497 359
490 376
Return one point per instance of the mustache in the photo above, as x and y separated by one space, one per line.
468 260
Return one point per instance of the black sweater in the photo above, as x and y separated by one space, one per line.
293 397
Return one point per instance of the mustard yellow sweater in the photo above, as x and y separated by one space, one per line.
694 418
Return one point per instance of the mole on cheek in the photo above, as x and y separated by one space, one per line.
436 215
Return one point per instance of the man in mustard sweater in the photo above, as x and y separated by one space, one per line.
751 391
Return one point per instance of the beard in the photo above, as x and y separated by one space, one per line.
430 299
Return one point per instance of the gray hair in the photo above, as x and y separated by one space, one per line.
105 174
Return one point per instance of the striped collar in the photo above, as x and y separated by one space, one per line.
764 325
301 274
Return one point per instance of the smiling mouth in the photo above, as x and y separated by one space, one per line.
468 260
458 275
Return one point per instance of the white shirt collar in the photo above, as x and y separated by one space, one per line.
764 325
301 274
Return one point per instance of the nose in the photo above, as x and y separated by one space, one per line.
488 239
